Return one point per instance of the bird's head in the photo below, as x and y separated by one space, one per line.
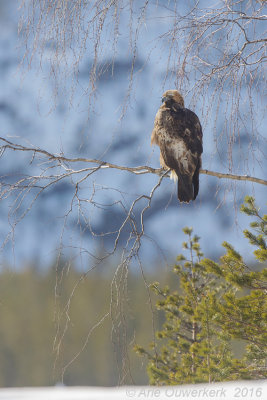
173 95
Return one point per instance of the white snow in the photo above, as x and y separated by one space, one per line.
243 390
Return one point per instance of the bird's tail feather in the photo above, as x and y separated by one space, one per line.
185 188
196 181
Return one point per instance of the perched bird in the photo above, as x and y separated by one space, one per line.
178 133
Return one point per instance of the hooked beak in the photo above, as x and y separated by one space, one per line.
166 98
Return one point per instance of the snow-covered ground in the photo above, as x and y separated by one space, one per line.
254 390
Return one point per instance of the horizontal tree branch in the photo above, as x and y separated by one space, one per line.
143 169
235 177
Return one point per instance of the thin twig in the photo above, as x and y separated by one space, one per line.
139 170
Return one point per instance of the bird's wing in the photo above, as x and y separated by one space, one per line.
181 143
188 127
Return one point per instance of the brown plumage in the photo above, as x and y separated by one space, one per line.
178 133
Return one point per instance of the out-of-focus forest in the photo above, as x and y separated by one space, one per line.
30 319
58 327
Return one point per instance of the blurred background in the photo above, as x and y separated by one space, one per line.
100 103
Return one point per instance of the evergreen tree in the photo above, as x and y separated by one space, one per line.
216 303
243 312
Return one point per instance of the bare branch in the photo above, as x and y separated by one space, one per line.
139 170
235 177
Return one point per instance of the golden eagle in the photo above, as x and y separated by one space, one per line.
178 133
